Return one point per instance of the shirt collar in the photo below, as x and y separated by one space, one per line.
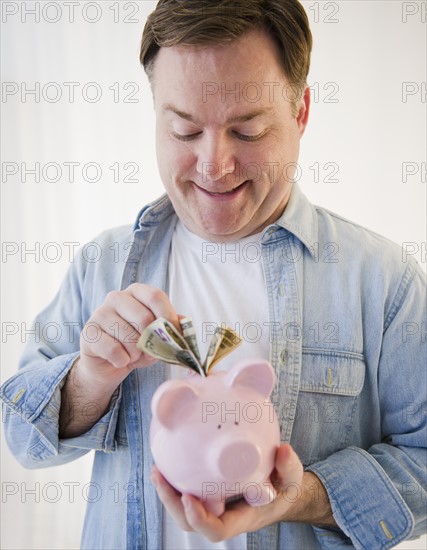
154 213
298 218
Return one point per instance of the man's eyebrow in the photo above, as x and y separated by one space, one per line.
232 120
251 115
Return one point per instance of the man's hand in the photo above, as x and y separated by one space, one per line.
108 349
108 353
300 498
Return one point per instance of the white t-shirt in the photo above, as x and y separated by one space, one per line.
216 283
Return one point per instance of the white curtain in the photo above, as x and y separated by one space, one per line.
362 156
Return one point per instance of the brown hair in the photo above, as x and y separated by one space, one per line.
203 22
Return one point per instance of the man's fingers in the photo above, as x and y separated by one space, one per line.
288 467
104 347
119 322
129 308
238 517
155 300
145 360
124 332
202 521
108 341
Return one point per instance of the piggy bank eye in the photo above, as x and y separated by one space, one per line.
219 426
236 423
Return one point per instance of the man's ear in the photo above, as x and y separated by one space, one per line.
303 107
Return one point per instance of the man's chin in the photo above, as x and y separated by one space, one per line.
221 232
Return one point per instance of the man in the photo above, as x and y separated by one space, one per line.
231 101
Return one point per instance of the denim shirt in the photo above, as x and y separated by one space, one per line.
347 319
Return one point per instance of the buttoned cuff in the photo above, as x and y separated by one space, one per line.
365 504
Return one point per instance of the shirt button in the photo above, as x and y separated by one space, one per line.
281 290
283 357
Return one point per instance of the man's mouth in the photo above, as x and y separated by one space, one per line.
232 191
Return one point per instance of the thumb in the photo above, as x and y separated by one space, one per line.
288 466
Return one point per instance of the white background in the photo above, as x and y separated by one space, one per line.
363 53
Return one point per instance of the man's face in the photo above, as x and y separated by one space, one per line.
227 141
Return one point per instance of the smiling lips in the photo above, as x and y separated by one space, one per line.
229 193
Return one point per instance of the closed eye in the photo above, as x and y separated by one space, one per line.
186 137
242 137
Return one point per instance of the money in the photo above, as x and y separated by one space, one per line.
224 341
161 340
190 335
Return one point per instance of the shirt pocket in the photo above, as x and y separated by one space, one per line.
330 384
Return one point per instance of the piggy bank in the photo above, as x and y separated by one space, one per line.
216 437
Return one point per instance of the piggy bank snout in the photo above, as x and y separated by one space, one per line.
239 459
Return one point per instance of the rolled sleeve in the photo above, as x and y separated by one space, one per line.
32 396
366 505
33 400
378 495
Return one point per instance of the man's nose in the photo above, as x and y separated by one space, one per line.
215 159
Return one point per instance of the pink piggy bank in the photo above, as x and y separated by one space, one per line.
216 437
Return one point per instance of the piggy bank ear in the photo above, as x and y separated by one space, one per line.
172 401
255 374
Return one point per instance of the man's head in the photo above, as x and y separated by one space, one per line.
209 22
229 118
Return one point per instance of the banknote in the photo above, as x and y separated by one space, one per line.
190 335
162 340
224 341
